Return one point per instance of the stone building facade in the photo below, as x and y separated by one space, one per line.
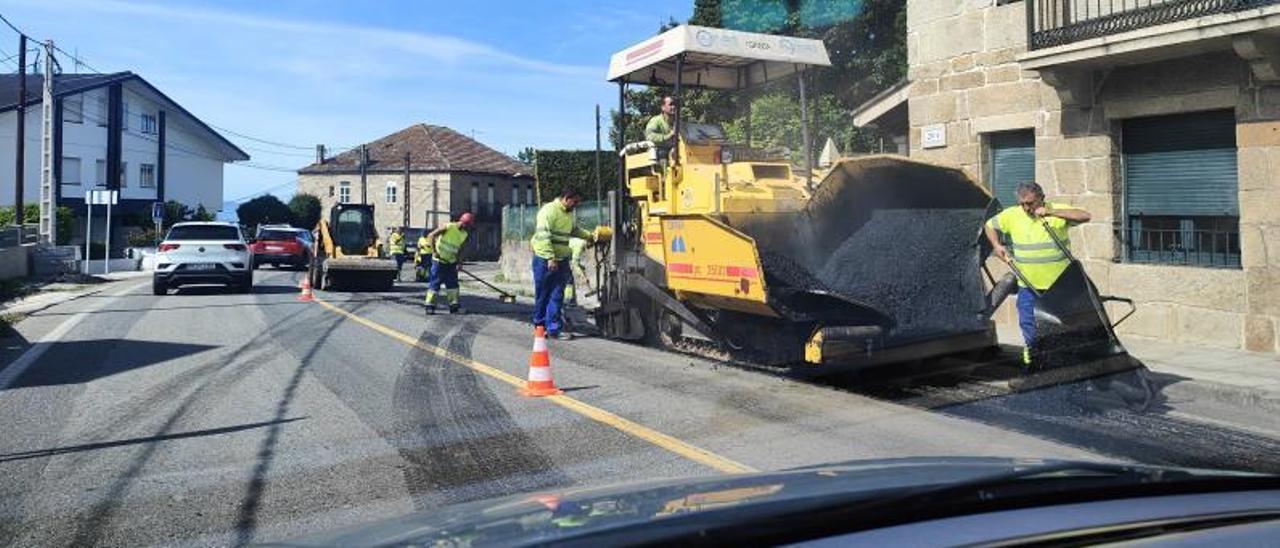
1099 111
449 174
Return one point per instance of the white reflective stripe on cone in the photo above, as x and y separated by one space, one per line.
539 344
539 373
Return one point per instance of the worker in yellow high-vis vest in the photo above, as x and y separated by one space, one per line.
1031 227
447 242
554 227
395 245
422 258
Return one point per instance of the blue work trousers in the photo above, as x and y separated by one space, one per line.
445 274
1027 315
548 290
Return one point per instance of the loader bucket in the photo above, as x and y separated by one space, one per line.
895 235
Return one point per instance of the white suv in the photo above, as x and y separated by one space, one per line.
203 253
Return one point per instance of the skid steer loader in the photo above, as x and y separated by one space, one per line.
348 254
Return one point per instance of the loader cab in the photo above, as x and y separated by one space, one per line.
354 232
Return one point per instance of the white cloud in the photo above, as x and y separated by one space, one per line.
440 48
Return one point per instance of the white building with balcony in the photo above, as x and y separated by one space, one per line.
157 150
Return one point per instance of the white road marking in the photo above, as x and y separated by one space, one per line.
19 366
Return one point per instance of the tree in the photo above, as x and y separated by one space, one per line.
202 214
175 212
265 209
306 210
525 156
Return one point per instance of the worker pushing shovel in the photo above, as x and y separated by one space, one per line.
447 242
1067 332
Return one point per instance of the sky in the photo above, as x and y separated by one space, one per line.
511 74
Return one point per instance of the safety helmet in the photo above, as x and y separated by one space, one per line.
466 220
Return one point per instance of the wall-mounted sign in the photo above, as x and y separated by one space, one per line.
934 136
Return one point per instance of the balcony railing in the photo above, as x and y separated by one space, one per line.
1056 22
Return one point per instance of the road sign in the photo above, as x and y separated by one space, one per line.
157 211
102 197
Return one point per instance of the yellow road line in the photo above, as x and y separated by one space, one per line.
669 443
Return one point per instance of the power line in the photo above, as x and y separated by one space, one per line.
263 141
263 192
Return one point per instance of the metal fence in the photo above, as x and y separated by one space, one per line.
518 221
1057 22
1217 247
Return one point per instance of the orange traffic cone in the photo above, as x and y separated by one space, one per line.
540 383
306 291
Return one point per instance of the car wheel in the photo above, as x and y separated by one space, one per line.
158 287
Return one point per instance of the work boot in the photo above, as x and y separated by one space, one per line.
563 336
455 309
431 309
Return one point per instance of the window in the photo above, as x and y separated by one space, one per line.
528 195
515 194
101 175
70 170
73 109
204 232
344 192
475 197
147 176
1180 190
392 189
1011 157
124 174
103 112
124 118
148 124
491 200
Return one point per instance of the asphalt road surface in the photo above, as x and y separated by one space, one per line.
209 418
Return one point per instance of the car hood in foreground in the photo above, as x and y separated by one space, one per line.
651 509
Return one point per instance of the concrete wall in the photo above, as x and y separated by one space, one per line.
965 75
15 261
516 264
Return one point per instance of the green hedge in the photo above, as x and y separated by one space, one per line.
558 169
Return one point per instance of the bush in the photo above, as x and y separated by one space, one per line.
146 238
31 214
560 169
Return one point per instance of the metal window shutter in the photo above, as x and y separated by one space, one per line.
1013 161
1182 165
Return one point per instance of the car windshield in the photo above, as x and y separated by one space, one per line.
203 232
521 272
278 235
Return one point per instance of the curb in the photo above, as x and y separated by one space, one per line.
1265 400
65 296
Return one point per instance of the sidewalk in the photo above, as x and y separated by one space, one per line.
1233 377
59 292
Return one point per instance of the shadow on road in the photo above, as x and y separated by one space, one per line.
54 451
76 362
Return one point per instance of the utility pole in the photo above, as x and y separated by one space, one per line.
599 198
406 189
48 229
364 185
20 147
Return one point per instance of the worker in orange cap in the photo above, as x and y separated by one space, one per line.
447 242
